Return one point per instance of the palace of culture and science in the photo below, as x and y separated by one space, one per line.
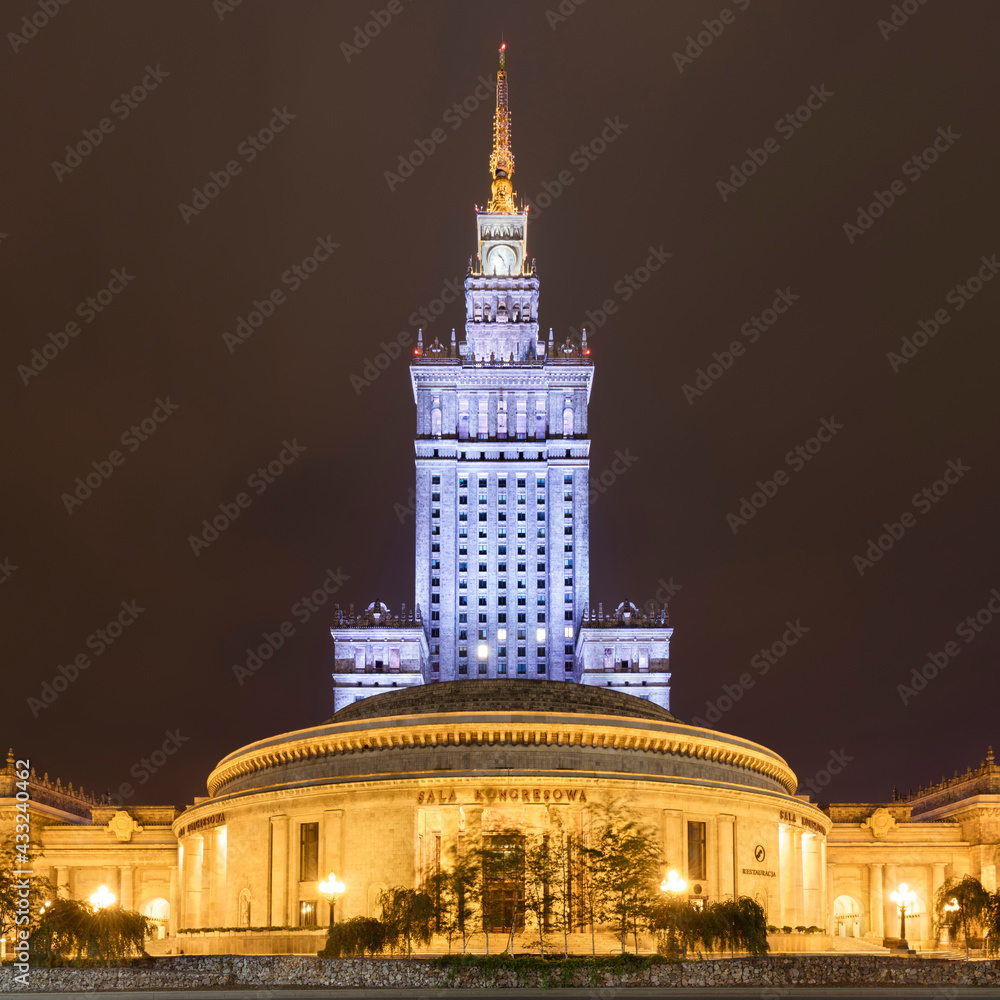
502 452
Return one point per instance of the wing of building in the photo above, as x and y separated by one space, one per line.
503 703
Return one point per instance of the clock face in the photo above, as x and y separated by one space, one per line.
501 260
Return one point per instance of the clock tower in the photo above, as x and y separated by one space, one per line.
502 512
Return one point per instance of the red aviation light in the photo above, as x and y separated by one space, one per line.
417 352
586 351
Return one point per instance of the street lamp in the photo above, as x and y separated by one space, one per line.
673 883
904 897
332 889
102 898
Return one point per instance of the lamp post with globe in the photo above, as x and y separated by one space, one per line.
672 886
332 889
905 898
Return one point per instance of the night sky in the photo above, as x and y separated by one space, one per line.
698 160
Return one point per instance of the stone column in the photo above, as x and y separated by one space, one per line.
937 880
798 865
726 880
673 841
828 922
786 878
125 878
62 881
192 881
174 900
279 871
890 909
111 880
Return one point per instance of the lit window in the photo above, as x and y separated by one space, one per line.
482 651
501 634
540 635
568 631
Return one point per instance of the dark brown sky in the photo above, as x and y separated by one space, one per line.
217 76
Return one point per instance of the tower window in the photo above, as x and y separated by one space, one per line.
435 480
568 479
436 497
482 483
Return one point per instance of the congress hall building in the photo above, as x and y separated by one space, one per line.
503 700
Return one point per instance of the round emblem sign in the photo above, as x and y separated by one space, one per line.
759 853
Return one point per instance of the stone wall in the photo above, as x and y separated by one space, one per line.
271 972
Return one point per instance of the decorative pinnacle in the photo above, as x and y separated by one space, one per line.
502 157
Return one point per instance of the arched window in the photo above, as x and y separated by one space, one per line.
568 422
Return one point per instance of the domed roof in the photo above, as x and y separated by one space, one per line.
500 695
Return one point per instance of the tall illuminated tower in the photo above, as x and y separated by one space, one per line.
502 496
502 455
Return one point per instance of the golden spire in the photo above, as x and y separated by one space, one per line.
502 158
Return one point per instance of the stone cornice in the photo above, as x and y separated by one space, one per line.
502 729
